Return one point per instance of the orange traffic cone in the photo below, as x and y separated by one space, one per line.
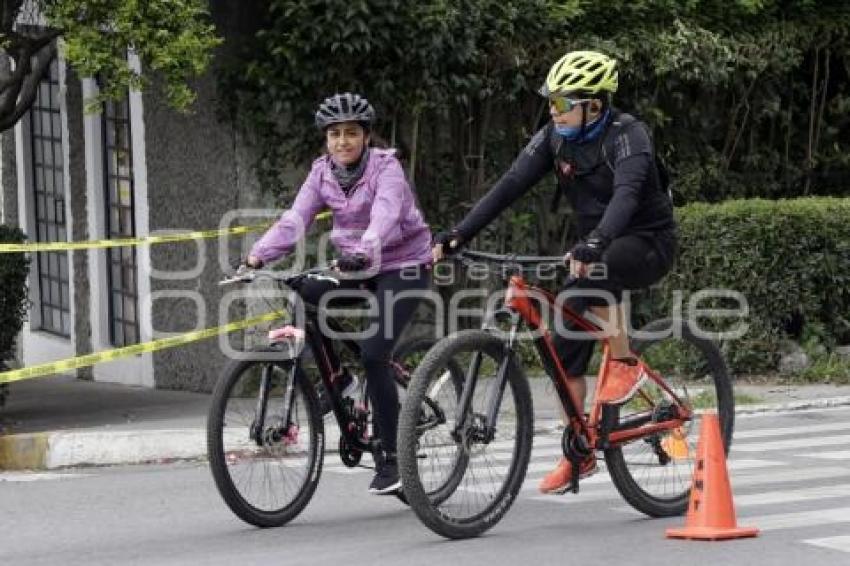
711 512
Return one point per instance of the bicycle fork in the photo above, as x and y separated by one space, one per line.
258 432
262 404
468 431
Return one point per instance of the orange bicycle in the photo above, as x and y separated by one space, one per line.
481 444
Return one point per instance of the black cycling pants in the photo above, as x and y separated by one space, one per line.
633 261
387 324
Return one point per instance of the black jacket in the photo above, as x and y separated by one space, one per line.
611 182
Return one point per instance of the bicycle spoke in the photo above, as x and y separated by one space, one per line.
468 479
269 474
654 473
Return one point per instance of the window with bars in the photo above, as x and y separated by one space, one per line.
120 223
48 185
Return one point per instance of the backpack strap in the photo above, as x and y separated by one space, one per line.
620 124
555 144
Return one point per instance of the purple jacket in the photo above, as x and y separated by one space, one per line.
379 217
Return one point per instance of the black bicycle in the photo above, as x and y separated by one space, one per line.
265 430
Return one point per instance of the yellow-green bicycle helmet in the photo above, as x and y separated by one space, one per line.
581 71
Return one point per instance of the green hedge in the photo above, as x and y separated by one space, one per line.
790 258
13 292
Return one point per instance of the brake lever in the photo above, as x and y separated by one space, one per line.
246 275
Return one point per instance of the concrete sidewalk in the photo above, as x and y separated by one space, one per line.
59 421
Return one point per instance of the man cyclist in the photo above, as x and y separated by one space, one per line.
605 164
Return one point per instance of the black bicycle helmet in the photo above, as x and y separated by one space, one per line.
345 107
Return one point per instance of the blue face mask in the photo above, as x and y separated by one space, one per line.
591 130
567 131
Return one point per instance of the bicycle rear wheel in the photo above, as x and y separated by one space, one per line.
266 473
458 481
653 474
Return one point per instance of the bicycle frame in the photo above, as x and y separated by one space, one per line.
329 373
518 300
593 427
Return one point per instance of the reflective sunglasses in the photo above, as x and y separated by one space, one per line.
565 104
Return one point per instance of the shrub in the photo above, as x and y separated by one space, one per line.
13 291
789 258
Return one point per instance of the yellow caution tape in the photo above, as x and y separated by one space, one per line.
161 344
136 349
122 242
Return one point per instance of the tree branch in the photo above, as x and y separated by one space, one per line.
735 131
812 111
822 106
12 108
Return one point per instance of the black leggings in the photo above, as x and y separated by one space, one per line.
633 261
375 350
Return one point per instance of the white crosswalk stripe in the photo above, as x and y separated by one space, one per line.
808 429
841 543
805 442
839 455
790 496
798 519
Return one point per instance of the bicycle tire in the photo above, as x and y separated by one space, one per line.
218 459
403 350
622 475
430 511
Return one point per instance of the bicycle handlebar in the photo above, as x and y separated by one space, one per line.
248 275
509 258
523 261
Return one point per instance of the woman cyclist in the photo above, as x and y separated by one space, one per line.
604 161
384 246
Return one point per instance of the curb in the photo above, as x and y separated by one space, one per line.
24 451
65 449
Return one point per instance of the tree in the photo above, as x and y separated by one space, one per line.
746 97
172 38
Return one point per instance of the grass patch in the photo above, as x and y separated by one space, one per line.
706 399
830 368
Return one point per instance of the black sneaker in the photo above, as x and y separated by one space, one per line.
347 384
386 480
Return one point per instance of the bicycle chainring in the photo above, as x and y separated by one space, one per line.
349 455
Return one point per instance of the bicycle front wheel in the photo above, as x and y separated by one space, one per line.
461 471
653 474
265 440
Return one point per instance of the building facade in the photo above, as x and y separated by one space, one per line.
134 168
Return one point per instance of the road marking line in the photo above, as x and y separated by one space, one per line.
801 429
808 442
798 519
789 496
607 491
838 455
791 475
602 480
841 543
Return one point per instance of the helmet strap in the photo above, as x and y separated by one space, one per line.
583 127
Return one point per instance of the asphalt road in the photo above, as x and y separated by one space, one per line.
790 473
